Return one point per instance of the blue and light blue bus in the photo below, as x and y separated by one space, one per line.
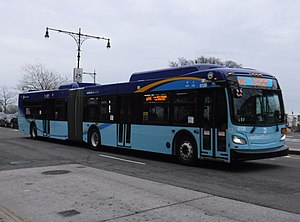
198 112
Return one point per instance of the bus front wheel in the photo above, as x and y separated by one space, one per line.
186 151
33 131
94 139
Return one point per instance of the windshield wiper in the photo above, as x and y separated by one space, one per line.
276 119
253 129
277 127
255 125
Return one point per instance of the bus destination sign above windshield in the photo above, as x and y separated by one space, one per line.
254 81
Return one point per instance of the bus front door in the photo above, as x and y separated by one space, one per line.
124 123
214 121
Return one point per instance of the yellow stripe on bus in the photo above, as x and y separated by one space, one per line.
145 88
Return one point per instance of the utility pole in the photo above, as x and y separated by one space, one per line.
79 39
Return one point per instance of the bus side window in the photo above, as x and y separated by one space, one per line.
27 112
185 108
221 111
137 109
60 110
107 109
207 119
91 109
156 108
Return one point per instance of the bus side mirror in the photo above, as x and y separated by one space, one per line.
238 92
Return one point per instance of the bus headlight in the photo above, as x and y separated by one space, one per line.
238 140
282 138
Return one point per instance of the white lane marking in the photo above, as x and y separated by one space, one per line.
125 160
292 140
14 130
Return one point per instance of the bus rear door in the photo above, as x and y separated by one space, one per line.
48 110
124 122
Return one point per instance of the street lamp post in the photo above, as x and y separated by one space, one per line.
92 74
79 39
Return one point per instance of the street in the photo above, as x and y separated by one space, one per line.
270 183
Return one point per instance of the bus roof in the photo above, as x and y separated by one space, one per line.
170 72
162 79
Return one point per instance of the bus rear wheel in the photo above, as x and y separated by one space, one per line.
33 131
186 151
94 139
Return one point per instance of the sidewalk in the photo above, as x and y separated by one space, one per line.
84 194
293 141
295 151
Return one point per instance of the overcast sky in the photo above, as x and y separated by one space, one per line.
148 34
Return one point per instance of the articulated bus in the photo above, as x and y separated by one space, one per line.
199 112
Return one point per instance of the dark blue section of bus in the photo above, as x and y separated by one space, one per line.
38 95
144 79
171 72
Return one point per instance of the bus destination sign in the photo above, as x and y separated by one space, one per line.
156 98
254 81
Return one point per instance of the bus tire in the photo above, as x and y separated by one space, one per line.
33 131
94 139
186 150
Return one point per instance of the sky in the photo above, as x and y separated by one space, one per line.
148 34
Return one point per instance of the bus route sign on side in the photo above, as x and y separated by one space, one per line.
77 74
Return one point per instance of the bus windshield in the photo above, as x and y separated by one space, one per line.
258 107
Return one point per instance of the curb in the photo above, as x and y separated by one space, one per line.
294 151
8 216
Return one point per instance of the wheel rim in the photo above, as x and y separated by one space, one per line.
95 139
186 150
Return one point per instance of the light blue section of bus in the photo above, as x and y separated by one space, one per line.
39 126
107 130
263 138
23 123
184 84
154 138
58 129
143 137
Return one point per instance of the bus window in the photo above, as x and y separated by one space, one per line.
184 108
220 112
156 108
60 110
207 119
91 109
33 109
107 109
137 109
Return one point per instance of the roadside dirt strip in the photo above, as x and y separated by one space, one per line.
79 193
8 216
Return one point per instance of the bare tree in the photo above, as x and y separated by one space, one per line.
38 77
204 60
12 108
7 98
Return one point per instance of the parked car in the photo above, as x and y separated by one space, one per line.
8 119
2 119
14 121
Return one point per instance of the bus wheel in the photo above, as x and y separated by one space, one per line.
33 131
94 139
186 151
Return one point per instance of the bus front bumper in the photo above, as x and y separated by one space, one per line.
242 155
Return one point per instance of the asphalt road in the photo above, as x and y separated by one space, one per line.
273 183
